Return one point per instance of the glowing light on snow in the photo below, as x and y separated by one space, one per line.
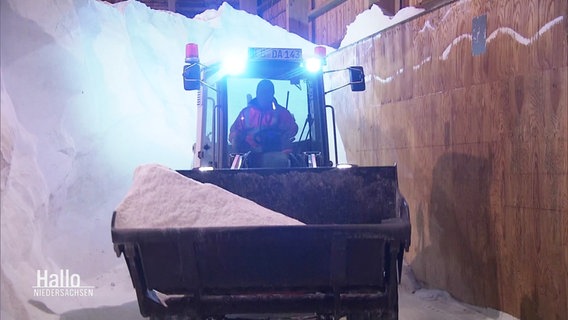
313 64
234 64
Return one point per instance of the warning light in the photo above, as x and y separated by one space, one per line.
317 61
191 53
320 52
192 69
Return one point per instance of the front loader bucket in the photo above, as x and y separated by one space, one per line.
356 195
344 262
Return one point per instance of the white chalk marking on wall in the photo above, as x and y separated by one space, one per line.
418 66
508 31
385 80
502 30
457 40
427 25
520 38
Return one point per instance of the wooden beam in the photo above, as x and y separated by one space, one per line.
297 17
430 5
324 8
248 6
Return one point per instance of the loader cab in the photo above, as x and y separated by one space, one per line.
226 88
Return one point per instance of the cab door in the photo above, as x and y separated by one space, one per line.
211 145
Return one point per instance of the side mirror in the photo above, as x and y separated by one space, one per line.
357 78
191 76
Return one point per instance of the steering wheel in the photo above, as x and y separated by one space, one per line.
269 139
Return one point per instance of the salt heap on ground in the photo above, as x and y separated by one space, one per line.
162 198
373 21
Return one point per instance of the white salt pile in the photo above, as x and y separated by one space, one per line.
374 20
162 198
89 91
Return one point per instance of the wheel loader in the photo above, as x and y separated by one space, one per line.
344 262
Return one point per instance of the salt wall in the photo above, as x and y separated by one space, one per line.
481 143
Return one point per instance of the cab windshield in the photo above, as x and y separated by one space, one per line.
290 96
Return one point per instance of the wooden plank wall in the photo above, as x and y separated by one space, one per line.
481 143
276 13
329 28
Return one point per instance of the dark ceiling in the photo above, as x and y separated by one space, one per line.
190 8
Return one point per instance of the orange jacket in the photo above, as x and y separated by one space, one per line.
263 130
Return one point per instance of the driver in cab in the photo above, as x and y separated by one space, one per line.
264 125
